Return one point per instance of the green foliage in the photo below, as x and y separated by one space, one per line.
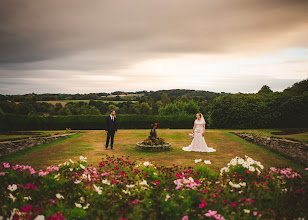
22 122
145 108
265 90
165 99
180 108
65 111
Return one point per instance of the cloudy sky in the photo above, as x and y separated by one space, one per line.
77 46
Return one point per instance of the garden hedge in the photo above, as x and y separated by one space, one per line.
11 122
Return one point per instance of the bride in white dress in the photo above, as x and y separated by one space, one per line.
198 143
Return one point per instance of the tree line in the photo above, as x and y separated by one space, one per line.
264 109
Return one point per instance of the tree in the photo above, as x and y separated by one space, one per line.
145 108
112 107
58 106
2 114
265 90
298 88
165 99
65 111
92 110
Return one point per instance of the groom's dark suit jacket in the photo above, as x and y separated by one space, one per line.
111 125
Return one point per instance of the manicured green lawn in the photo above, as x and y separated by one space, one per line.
91 144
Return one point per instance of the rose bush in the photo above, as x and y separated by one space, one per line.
119 188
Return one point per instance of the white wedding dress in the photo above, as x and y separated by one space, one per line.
198 143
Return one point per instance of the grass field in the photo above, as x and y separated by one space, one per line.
91 144
64 102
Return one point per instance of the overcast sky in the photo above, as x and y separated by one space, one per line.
78 46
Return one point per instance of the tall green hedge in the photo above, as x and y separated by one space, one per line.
12 122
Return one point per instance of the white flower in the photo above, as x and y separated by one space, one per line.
144 182
146 163
258 171
207 162
83 159
155 173
245 164
198 160
242 184
250 160
240 192
84 176
130 186
71 161
12 187
234 185
246 211
71 169
240 161
82 166
98 189
77 181
12 197
40 217
78 205
233 162
82 200
191 179
105 181
56 176
59 196
284 190
252 169
126 191
28 198
86 206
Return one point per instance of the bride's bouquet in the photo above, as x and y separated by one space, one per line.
191 135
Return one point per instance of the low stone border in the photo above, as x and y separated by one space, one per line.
144 147
9 147
294 150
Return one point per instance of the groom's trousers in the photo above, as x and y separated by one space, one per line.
110 137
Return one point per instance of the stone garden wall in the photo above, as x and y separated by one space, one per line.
9 147
294 150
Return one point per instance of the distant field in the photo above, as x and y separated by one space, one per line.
128 95
64 102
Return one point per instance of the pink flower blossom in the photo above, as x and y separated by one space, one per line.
211 213
135 201
255 213
26 208
219 217
167 197
202 205
6 165
156 182
233 204
185 217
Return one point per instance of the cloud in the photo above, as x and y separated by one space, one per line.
74 39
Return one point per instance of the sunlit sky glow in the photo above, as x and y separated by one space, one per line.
77 46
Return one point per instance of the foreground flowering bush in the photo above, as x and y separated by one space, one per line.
123 189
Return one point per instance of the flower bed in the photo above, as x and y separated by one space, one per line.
122 189
160 147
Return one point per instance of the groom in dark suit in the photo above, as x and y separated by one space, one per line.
111 128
